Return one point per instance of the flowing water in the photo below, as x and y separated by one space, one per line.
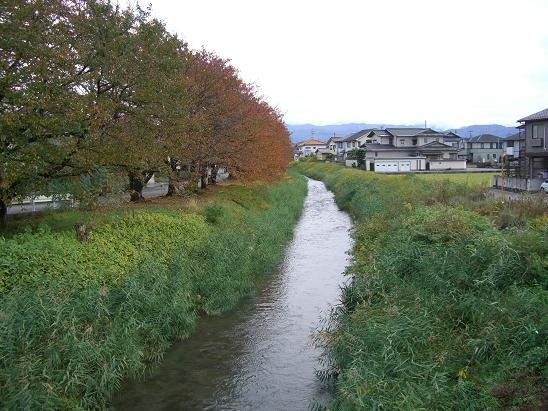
261 356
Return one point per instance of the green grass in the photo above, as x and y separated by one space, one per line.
469 179
447 307
76 318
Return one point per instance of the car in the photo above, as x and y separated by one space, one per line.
544 186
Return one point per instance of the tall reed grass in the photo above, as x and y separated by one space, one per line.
77 318
447 307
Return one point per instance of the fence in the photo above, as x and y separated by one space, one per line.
517 183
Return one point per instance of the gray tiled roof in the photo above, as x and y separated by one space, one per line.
436 144
513 137
411 131
375 146
357 135
381 133
541 115
484 138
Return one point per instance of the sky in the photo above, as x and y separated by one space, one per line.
449 63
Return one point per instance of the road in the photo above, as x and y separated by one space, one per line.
156 190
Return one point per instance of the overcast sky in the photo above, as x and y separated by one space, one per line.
451 63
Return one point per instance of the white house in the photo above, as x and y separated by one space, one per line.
410 149
309 147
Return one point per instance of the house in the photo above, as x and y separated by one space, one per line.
410 149
308 148
535 133
485 148
353 142
452 139
324 154
335 145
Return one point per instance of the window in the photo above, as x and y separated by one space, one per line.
402 142
414 141
469 145
340 145
376 154
494 156
482 145
539 133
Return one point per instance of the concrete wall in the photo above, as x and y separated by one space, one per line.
447 164
517 183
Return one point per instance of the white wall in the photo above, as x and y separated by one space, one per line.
448 164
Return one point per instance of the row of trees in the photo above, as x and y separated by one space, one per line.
85 84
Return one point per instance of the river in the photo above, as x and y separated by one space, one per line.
260 356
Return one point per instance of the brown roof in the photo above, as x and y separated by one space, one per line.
310 142
541 115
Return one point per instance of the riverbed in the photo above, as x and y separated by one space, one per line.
261 355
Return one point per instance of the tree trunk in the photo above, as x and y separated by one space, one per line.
214 172
170 188
135 187
3 213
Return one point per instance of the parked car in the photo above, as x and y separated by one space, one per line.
544 186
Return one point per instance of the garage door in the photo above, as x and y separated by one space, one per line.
405 165
386 167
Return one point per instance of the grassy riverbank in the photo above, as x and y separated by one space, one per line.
447 308
76 318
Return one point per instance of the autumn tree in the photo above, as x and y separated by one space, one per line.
131 66
87 84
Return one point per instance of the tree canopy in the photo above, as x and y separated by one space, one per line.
87 84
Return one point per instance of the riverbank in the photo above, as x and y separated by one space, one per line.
447 305
78 317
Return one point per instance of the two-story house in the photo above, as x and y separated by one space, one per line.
485 148
354 141
535 130
410 149
308 147
335 146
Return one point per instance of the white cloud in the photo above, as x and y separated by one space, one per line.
449 62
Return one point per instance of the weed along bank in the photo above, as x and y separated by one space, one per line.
447 303
79 317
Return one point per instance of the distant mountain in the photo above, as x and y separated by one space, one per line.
301 132
494 129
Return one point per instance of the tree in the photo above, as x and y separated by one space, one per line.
39 131
130 66
357 154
